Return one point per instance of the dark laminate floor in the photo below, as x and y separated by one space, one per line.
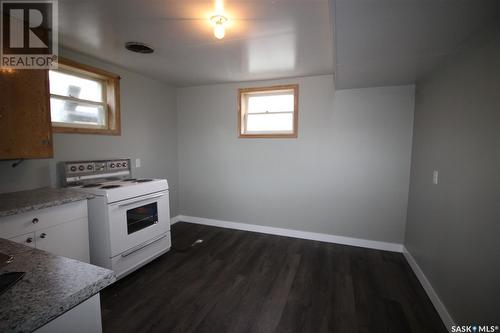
239 281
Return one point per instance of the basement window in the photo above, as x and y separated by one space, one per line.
268 112
84 99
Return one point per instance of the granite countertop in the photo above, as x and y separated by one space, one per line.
25 201
51 286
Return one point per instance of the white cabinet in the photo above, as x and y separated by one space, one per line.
83 318
61 230
26 239
68 239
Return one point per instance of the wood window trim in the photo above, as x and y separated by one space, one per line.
242 91
112 82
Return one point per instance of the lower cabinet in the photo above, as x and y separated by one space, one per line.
68 239
26 239
61 230
83 318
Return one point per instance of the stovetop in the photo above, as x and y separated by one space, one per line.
106 184
119 190
110 178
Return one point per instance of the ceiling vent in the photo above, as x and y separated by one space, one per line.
138 47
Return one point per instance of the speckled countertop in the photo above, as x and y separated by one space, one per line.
25 201
51 286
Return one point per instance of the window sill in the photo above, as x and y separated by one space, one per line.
59 129
269 136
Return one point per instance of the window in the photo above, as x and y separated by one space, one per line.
268 112
84 99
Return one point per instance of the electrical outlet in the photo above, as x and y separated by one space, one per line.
435 177
137 162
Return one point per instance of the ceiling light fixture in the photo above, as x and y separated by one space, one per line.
219 21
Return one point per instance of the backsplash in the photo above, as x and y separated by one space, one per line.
27 175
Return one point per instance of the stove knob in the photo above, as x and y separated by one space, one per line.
112 165
118 165
73 168
89 167
124 164
81 168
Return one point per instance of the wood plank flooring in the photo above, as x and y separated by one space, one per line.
239 281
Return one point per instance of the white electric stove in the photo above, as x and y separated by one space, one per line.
129 218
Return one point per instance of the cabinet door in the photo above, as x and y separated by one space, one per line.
70 239
26 239
25 127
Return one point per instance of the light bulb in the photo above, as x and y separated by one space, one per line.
218 22
219 31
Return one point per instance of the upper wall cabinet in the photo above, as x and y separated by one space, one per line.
25 126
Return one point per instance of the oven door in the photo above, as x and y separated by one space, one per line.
137 221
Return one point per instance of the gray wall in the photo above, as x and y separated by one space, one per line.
149 132
453 227
347 173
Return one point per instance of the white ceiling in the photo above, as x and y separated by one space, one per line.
377 42
265 39
392 42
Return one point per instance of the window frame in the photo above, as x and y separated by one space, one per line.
242 113
111 98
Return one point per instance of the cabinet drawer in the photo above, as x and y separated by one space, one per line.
26 239
69 239
19 224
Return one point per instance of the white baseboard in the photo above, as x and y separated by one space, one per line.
436 301
175 219
393 247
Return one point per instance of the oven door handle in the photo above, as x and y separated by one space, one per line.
144 198
143 245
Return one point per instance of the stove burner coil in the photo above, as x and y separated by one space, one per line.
109 186
143 180
92 185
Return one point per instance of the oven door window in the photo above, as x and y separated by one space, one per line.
142 217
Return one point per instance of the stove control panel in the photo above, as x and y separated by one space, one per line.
80 168
118 165
100 166
78 171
